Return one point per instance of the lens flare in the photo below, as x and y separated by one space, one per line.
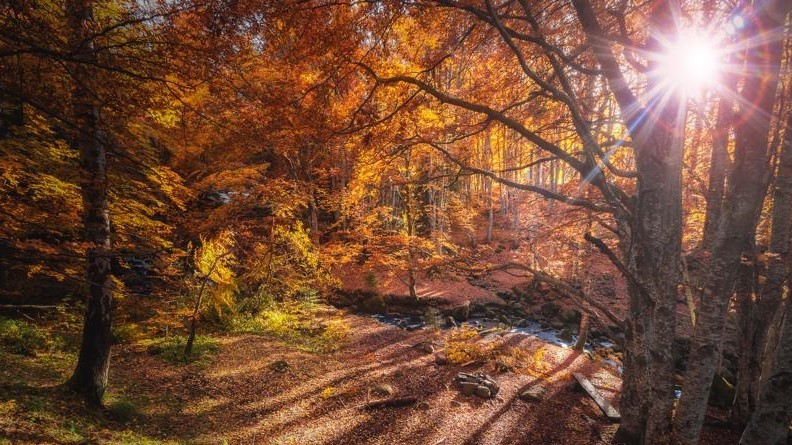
690 65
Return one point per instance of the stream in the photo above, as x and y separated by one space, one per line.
528 328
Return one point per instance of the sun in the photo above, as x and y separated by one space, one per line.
690 65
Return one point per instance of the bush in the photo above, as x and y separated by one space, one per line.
126 333
122 410
23 338
296 323
172 349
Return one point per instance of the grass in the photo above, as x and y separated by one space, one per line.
297 324
24 338
171 349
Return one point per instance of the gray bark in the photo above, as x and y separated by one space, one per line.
744 196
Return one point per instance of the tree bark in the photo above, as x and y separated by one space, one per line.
769 424
761 312
650 240
90 375
719 162
744 198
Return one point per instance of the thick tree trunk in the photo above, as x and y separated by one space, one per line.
90 375
768 301
650 239
769 424
744 197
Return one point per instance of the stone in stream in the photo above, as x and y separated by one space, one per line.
565 335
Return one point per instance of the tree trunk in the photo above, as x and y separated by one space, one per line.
651 239
768 300
719 163
90 375
769 424
744 198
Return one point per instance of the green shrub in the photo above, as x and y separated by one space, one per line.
295 322
122 410
126 333
172 349
23 338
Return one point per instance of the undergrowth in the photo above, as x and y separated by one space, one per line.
171 349
24 338
296 322
464 345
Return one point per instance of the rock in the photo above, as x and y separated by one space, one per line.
279 366
550 310
462 312
522 323
449 322
427 348
423 405
441 359
565 335
557 324
533 394
483 392
374 305
469 384
456 403
382 390
467 388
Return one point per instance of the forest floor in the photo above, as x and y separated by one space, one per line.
259 389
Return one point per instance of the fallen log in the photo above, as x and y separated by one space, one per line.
28 306
396 402
609 411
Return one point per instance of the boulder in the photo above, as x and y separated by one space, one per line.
441 359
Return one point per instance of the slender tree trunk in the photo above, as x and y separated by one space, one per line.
744 198
719 163
90 375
